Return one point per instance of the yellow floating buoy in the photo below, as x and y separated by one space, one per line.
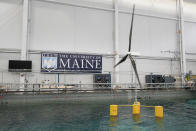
159 111
113 110
136 108
136 118
113 121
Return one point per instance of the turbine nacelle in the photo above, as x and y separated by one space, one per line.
133 53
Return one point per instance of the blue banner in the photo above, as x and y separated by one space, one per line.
60 62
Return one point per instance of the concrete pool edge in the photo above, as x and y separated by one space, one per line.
96 96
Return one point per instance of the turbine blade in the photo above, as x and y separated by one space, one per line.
131 29
135 69
121 61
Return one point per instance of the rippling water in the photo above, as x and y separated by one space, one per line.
84 115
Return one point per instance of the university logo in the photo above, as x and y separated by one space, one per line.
49 63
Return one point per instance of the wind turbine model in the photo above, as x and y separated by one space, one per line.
129 54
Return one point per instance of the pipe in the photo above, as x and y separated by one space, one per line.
25 16
76 5
181 42
25 29
116 41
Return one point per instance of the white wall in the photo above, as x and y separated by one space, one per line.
190 39
10 23
71 29
190 45
74 29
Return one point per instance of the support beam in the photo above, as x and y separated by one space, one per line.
25 16
116 41
181 40
25 29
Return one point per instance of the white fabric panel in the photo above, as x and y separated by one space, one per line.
189 37
94 31
10 24
191 66
70 29
52 27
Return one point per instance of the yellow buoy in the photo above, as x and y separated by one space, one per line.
113 121
113 110
159 111
136 108
136 118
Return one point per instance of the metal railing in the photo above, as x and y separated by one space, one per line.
40 87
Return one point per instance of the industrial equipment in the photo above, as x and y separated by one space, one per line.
154 80
102 81
190 80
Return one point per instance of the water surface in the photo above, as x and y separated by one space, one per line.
62 114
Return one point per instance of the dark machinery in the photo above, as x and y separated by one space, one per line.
190 80
159 80
102 81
